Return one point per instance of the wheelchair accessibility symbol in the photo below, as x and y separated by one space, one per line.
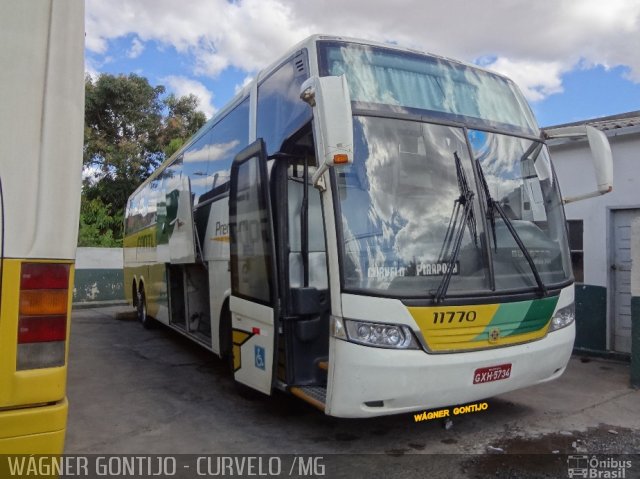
259 355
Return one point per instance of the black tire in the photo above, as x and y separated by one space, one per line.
226 342
226 353
141 309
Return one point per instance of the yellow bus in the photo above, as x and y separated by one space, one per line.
369 228
41 136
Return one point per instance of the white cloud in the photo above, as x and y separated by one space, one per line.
182 86
536 79
536 42
248 79
247 34
93 66
90 68
137 47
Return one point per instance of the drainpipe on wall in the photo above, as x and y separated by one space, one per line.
635 303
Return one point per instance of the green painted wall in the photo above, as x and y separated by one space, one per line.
98 285
591 317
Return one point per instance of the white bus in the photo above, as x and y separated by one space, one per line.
41 130
372 229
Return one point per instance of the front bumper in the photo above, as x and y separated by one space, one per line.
404 381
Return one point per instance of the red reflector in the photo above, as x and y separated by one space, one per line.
41 329
44 276
255 330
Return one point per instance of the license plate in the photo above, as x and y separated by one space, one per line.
492 373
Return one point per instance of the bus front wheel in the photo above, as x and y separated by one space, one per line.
226 342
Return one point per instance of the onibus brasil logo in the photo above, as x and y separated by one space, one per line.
593 467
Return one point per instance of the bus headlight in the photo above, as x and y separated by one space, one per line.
563 317
379 335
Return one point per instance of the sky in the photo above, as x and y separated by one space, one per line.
573 59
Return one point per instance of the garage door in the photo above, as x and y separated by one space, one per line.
622 278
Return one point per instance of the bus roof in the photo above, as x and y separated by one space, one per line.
309 44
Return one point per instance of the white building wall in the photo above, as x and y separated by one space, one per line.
98 258
576 175
595 313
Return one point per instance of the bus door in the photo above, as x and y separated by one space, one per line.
182 246
305 319
254 292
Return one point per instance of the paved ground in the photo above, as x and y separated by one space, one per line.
144 392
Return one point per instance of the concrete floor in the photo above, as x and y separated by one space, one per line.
136 391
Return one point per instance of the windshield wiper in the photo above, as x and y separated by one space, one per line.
493 205
458 221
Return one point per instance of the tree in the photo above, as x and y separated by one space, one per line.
97 225
123 126
183 118
129 130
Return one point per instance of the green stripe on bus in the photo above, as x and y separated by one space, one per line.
537 316
521 317
507 319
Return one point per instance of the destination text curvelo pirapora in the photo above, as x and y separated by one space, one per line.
162 466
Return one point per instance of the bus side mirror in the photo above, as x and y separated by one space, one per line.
600 154
329 97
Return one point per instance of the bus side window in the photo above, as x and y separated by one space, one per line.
280 111
196 160
228 137
171 181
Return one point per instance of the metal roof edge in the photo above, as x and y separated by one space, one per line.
621 120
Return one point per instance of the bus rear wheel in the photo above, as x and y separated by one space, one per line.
141 309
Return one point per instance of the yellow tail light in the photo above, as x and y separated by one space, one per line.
43 301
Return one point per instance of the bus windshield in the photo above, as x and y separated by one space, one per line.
412 190
404 82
